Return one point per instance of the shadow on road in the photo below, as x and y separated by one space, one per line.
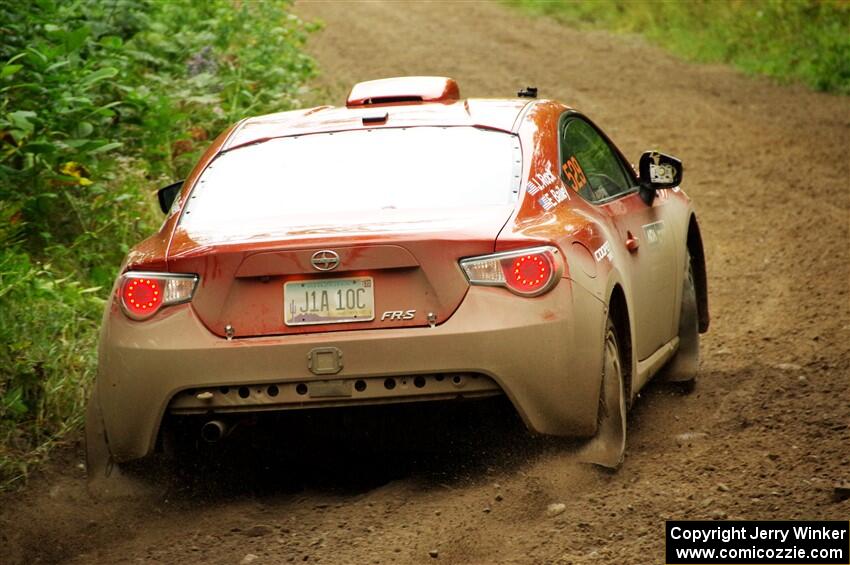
347 451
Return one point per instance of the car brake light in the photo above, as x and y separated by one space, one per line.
527 272
143 294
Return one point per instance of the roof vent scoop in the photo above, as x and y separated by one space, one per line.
401 90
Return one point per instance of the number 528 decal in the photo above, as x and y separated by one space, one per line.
574 174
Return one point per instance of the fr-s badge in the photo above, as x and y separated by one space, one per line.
398 315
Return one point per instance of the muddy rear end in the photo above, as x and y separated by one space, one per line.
316 270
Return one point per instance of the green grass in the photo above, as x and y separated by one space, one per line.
804 40
102 102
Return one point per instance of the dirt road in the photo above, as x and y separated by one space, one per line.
766 434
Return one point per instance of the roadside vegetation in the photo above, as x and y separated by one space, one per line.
102 102
805 40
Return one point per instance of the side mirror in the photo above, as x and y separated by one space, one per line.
167 195
657 170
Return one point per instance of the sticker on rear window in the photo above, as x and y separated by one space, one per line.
574 174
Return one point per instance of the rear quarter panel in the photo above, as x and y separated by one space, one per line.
593 248
584 238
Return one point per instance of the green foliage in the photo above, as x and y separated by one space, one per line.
102 101
807 40
48 328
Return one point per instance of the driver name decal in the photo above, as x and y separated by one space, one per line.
553 198
544 182
540 182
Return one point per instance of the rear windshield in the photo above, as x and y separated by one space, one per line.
361 170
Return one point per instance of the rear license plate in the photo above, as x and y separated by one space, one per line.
328 301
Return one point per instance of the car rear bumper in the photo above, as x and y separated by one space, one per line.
544 353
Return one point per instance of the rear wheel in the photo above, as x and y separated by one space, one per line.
608 447
683 368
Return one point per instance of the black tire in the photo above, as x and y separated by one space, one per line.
683 368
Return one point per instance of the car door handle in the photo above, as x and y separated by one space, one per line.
632 243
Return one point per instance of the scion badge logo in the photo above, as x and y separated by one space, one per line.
325 260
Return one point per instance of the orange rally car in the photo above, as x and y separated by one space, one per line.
411 246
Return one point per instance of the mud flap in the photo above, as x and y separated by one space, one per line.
608 446
105 478
684 366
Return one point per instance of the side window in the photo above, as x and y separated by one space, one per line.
588 164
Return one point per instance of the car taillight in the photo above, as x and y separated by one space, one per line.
143 294
528 272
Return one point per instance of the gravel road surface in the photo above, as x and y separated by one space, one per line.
766 434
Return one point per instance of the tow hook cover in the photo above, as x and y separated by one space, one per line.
325 361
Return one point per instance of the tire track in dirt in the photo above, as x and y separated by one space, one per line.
768 167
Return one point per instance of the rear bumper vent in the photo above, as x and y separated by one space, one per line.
332 392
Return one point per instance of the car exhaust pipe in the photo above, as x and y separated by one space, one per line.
213 431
